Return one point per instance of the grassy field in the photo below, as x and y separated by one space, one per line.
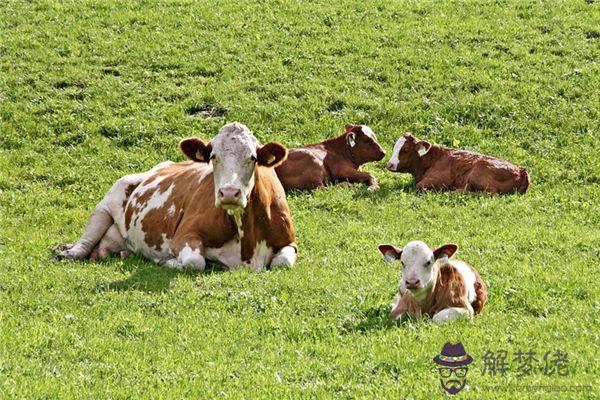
93 90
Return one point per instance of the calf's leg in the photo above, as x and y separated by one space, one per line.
286 257
451 314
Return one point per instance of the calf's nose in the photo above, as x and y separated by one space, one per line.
413 283
230 195
391 166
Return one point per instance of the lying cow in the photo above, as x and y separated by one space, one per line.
434 285
332 161
437 167
226 205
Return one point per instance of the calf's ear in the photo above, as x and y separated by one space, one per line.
351 137
390 253
423 147
271 154
349 127
195 149
446 250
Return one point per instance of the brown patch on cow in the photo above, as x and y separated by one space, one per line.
305 170
442 168
480 293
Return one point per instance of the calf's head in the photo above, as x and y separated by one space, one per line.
407 152
233 153
420 263
363 144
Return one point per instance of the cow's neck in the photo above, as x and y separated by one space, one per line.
258 210
339 145
427 301
425 162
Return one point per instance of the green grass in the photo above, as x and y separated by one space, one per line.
93 90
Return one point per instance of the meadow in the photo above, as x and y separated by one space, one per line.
92 90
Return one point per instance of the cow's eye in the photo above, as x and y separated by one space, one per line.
428 263
253 158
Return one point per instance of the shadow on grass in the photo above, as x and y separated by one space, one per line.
148 277
377 319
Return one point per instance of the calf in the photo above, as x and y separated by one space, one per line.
434 285
334 160
437 167
226 205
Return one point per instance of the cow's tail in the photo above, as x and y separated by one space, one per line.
524 181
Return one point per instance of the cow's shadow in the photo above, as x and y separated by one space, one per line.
377 319
146 276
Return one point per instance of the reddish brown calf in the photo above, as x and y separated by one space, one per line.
332 161
437 167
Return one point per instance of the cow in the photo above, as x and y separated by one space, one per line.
433 285
225 205
442 168
335 160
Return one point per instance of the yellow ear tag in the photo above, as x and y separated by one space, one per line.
271 159
199 156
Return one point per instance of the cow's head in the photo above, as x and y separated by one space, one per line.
420 263
363 144
407 152
234 153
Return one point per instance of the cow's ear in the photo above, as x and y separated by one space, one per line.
423 147
390 253
271 154
195 149
351 137
349 127
446 250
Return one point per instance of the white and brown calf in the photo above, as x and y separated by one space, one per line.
434 285
441 168
226 205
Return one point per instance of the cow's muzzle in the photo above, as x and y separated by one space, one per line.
230 196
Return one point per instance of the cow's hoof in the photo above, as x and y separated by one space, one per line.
66 255
59 248
373 188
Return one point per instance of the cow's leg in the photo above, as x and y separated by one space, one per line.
187 253
355 176
111 243
286 257
451 314
103 217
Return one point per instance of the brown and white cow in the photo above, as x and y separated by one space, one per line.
433 285
226 205
334 160
437 167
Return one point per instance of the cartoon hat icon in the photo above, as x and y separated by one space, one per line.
453 355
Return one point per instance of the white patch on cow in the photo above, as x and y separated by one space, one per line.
389 257
230 255
261 257
469 277
191 258
368 131
233 150
451 314
285 256
395 159
415 257
136 237
171 210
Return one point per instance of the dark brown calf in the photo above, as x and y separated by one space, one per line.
437 167
332 161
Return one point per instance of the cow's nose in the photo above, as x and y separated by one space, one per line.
391 166
381 155
230 195
413 283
